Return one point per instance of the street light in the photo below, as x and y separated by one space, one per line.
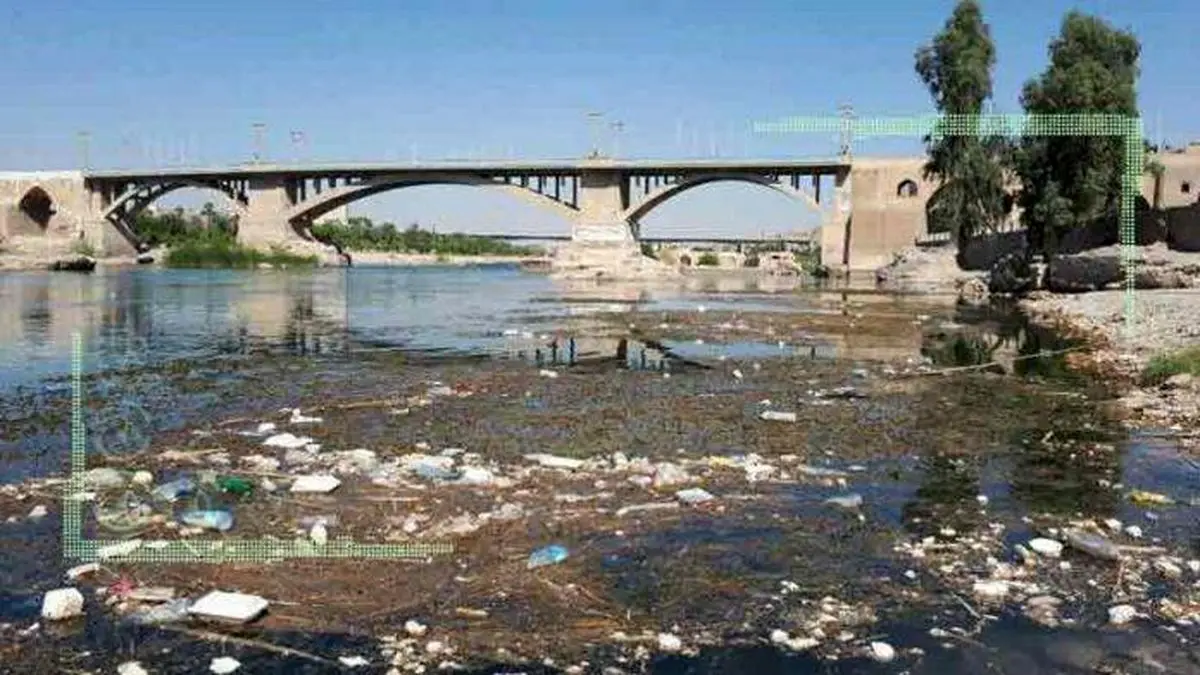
297 144
259 132
617 127
594 121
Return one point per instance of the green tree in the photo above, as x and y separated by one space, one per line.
957 68
1068 182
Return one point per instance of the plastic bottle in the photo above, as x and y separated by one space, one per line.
234 485
549 555
209 519
172 490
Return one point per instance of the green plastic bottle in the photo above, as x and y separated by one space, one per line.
234 485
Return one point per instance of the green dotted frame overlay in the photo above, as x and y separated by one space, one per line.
223 550
1128 128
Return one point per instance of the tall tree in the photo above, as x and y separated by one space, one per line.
957 68
1075 181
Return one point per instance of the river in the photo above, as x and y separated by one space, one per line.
166 357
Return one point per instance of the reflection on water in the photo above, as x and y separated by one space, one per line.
138 316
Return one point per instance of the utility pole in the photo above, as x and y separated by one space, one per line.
259 132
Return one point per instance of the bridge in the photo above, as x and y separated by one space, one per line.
867 207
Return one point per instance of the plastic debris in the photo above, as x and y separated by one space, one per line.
318 534
234 485
881 652
1046 547
1147 498
778 416
82 570
669 643
1092 544
103 478
170 612
237 607
549 555
209 519
317 483
223 665
131 668
173 490
286 440
1121 614
850 501
151 594
117 550
61 604
554 461
694 496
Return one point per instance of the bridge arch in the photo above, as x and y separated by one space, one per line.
136 198
302 215
37 206
636 212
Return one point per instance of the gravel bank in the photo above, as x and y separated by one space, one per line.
1162 321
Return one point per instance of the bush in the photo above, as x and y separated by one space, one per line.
1164 366
220 253
708 260
751 260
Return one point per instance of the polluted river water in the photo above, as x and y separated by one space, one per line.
715 479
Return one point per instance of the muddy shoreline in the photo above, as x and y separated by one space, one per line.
501 458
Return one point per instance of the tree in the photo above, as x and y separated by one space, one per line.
957 68
1068 182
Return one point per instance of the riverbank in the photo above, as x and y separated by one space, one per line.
762 499
1130 331
387 259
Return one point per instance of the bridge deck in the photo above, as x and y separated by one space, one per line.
561 166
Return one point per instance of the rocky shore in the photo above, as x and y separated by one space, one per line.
1085 296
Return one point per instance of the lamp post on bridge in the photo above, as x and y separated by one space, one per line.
594 120
297 145
617 128
259 132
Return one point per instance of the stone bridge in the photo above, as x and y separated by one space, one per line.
868 207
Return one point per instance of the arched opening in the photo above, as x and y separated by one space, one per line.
436 219
736 215
37 206
173 214
907 189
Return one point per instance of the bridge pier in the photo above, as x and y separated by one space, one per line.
835 234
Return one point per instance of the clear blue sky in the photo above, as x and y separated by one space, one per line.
170 83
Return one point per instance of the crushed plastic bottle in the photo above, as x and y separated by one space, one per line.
549 555
175 610
234 485
173 490
209 519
